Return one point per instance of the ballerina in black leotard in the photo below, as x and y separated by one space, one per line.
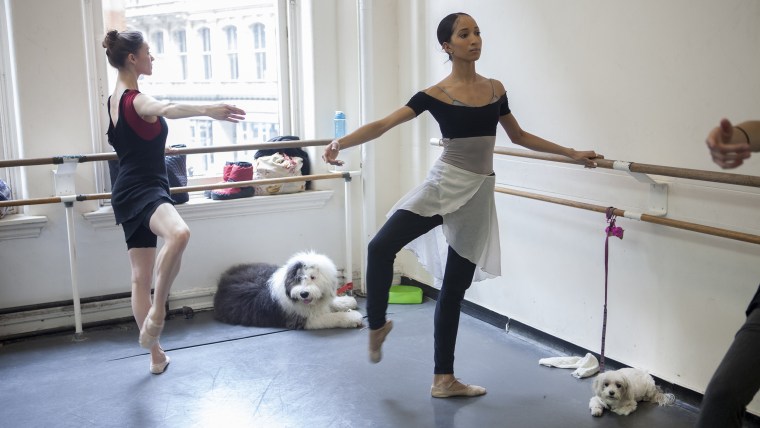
140 197
457 195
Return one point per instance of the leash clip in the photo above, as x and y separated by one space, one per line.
613 230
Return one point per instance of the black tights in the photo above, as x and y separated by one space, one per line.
402 228
737 379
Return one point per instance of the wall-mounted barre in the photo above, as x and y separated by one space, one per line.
709 230
226 185
55 160
635 167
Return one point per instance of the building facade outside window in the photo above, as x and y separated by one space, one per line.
203 56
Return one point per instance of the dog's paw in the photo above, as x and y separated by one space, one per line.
596 411
344 303
625 410
355 319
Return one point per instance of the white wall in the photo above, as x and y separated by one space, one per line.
643 82
640 81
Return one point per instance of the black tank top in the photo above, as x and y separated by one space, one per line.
142 177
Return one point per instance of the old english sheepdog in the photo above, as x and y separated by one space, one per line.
620 390
299 295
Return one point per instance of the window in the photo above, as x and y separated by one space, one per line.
180 46
201 135
9 148
205 37
157 43
259 50
207 57
232 56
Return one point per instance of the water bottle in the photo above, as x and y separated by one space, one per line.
340 124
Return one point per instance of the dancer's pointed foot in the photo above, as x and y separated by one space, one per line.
376 339
150 331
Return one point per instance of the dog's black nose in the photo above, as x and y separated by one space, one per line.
304 294
612 393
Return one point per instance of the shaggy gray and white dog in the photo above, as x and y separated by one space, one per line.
299 295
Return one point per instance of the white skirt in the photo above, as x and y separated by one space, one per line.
465 200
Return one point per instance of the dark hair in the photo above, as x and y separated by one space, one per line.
120 44
446 27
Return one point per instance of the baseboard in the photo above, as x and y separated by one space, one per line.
55 317
687 398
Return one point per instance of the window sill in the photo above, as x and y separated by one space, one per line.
17 226
201 208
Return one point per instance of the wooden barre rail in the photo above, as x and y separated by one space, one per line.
693 174
260 182
694 227
187 151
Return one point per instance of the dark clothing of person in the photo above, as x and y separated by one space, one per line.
142 180
402 227
737 378
461 121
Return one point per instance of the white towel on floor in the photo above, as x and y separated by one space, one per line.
585 367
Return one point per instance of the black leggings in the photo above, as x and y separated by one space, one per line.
736 380
402 228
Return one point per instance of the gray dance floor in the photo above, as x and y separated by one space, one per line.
230 376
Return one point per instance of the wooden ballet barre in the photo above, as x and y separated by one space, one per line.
186 189
55 160
694 227
692 174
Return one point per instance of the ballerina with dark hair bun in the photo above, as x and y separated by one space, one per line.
449 221
140 196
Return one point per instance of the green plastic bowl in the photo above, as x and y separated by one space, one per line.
405 294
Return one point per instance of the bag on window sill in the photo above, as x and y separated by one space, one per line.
295 152
176 171
278 165
5 195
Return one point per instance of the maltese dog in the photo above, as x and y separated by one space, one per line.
620 390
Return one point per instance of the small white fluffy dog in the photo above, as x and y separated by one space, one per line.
620 390
298 295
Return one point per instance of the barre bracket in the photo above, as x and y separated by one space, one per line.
64 176
658 191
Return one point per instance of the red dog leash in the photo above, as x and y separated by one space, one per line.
611 230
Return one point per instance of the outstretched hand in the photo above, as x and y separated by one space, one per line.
330 154
727 147
226 112
587 157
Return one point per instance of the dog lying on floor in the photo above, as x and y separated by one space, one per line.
621 390
298 295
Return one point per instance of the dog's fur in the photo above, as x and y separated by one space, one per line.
298 295
620 390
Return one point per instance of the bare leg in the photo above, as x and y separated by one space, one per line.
167 224
142 260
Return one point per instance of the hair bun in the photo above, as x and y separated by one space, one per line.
111 36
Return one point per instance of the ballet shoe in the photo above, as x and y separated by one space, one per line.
455 388
150 331
376 339
160 367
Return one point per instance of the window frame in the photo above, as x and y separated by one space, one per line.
284 46
10 137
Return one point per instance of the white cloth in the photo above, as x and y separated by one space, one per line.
465 200
585 367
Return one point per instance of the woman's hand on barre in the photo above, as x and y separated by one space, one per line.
331 153
728 146
585 156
